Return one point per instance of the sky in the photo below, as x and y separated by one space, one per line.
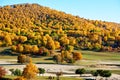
105 10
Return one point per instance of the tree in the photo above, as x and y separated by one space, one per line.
72 41
14 48
1 43
8 40
23 59
57 58
95 73
2 72
77 56
35 49
58 74
30 71
41 70
20 48
46 52
16 72
50 44
69 48
64 41
57 44
80 71
22 39
27 48
99 71
105 73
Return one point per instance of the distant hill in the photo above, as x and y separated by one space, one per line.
33 24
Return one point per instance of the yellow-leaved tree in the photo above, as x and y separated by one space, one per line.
30 71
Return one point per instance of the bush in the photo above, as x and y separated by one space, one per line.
95 73
77 56
105 73
57 58
23 59
99 71
2 72
41 70
80 71
16 72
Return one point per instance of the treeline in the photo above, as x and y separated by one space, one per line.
35 26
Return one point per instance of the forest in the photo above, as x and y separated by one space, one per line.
47 36
32 28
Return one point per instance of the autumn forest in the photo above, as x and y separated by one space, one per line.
26 26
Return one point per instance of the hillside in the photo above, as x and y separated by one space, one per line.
32 26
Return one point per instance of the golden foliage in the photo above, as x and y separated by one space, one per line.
77 56
32 24
30 71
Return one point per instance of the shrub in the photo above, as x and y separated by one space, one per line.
17 72
41 70
80 71
77 56
23 59
2 72
95 73
57 58
99 71
105 73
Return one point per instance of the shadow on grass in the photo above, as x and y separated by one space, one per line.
36 56
48 58
7 52
45 63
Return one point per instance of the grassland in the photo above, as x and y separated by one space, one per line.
87 55
91 55
46 78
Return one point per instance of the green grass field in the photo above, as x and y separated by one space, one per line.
91 55
115 71
87 55
46 78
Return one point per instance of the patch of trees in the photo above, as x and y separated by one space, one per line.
66 56
103 73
